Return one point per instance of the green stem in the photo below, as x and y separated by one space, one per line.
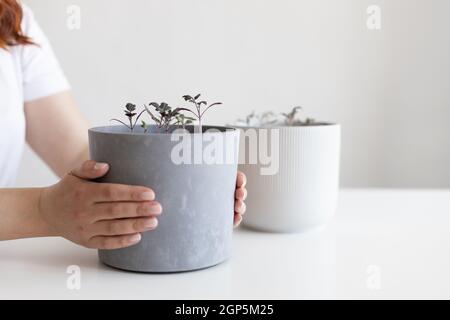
121 123
137 119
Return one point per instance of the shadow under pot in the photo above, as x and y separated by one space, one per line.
193 176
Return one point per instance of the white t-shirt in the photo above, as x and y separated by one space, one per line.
27 73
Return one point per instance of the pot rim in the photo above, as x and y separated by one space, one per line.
318 125
140 132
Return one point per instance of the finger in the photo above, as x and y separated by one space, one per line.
241 194
116 242
108 192
237 219
239 206
121 210
90 170
241 180
124 226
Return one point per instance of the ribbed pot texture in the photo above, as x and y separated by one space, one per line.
195 228
302 195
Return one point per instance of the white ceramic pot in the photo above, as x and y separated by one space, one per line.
299 192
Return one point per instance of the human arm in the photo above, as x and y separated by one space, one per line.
105 216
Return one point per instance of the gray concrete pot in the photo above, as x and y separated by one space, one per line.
195 229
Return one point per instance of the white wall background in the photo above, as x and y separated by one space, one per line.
390 89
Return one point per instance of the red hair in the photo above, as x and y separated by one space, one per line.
11 15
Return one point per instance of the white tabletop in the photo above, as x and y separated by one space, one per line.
381 244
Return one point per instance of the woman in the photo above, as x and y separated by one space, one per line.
37 106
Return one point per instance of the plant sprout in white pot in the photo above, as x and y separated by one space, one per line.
292 166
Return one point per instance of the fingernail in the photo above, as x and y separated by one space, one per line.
238 222
148 196
155 209
100 166
150 223
135 238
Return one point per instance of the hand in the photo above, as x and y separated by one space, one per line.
241 195
98 215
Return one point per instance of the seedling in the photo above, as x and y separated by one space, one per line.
184 120
271 119
145 126
200 108
167 116
130 114
258 120
290 118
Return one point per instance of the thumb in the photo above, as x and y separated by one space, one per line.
90 170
